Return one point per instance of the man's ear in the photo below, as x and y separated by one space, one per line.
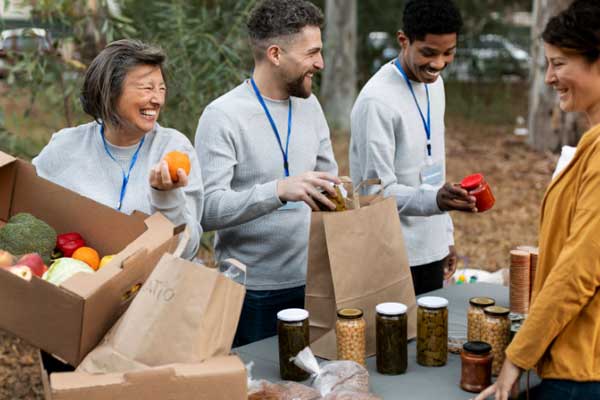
403 40
274 54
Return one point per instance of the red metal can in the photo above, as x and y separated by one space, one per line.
477 186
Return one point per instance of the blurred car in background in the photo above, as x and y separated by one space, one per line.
16 42
489 57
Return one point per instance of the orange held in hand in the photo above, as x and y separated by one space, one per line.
176 160
88 256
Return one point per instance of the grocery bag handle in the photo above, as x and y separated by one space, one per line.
184 239
367 182
233 269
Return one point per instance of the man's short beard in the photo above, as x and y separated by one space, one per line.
296 88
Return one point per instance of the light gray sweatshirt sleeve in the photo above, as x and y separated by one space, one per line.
223 206
373 127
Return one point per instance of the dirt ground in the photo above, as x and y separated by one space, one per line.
517 175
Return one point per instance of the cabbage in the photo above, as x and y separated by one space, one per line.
64 268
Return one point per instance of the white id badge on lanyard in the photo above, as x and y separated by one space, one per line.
432 173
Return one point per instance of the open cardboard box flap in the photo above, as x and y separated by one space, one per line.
218 378
70 320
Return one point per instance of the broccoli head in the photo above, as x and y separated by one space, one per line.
24 234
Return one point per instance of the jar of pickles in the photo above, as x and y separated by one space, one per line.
496 332
475 316
476 360
293 335
351 335
391 338
432 331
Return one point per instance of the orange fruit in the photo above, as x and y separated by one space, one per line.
88 256
176 160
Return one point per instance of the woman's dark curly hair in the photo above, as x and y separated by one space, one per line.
437 17
577 29
272 19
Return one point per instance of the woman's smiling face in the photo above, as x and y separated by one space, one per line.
576 79
143 95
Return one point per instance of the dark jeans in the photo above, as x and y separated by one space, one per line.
428 277
259 313
555 389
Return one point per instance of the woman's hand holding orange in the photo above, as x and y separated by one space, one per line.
160 178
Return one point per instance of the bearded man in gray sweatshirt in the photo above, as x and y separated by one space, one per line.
265 156
397 135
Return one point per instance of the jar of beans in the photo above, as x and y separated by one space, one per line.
351 335
496 332
391 338
475 316
293 337
432 331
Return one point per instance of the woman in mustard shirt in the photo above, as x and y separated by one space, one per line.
561 336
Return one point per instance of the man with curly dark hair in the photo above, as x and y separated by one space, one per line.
397 135
266 151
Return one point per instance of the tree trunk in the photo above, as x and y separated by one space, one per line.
338 89
549 127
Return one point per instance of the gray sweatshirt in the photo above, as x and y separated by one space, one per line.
76 159
388 141
241 163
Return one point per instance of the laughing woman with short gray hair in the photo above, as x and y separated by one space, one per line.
116 160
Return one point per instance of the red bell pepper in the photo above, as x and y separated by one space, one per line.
67 243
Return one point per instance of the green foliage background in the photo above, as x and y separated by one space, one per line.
205 41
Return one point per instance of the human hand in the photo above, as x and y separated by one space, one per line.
160 178
501 388
454 198
307 188
450 263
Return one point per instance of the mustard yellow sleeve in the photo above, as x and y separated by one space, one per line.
572 281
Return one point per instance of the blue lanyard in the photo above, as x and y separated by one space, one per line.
284 153
426 123
125 176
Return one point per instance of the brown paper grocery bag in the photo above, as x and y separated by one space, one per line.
184 313
356 259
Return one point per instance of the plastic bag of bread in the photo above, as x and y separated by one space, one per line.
265 390
333 376
345 395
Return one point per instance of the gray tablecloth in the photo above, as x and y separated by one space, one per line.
418 382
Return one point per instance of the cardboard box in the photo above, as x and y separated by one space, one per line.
68 321
219 378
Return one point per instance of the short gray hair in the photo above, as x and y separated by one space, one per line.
103 83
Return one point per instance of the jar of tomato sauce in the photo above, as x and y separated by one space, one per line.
477 186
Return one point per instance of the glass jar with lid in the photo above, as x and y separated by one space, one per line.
351 335
476 316
293 336
477 187
496 332
391 338
476 372
432 331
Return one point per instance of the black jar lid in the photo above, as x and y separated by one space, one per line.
350 313
482 301
479 348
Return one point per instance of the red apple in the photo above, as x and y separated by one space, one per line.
22 271
6 259
35 262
